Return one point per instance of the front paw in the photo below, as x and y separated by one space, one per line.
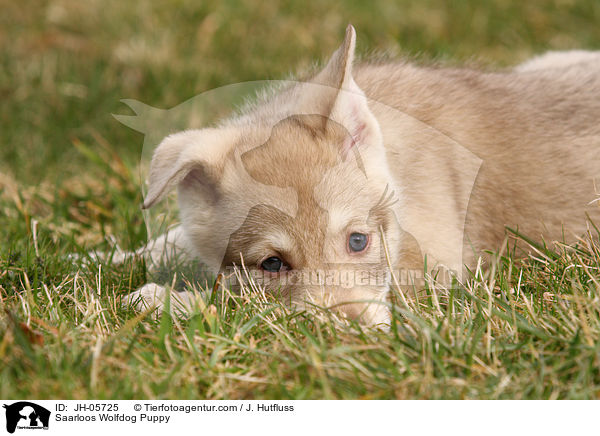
152 297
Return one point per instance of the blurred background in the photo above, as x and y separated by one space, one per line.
66 64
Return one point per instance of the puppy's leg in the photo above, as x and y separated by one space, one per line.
168 250
170 246
161 250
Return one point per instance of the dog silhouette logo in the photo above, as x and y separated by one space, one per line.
26 415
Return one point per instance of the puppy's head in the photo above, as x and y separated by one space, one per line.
299 193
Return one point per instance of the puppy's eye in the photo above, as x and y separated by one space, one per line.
357 242
273 264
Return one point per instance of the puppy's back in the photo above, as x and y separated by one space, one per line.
535 129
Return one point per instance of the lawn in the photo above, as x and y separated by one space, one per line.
524 329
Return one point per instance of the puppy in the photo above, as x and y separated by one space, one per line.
329 188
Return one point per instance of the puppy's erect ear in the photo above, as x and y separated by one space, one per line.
339 66
197 155
344 102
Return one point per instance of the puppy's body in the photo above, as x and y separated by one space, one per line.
537 134
420 161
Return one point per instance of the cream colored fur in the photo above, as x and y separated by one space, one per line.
428 161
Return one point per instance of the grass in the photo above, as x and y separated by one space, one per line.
524 329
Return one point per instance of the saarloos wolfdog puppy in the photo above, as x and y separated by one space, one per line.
326 186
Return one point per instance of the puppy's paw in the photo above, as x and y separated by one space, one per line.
149 296
153 297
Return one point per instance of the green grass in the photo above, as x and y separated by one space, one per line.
68 184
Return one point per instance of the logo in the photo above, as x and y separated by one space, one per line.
26 415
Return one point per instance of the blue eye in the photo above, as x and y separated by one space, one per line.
272 264
357 242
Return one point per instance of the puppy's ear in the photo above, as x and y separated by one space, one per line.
339 66
194 156
344 102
